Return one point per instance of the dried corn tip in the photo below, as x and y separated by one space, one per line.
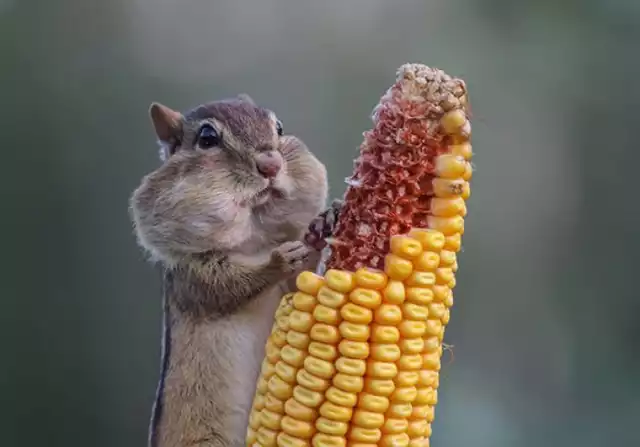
354 355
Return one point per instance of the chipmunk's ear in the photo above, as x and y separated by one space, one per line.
246 98
166 122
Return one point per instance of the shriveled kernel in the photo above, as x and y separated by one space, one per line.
453 242
307 397
395 440
318 367
406 378
397 267
419 295
410 362
366 297
293 356
298 411
431 240
360 434
380 387
412 328
309 282
354 331
335 412
395 425
404 394
354 349
370 279
394 292
405 246
413 311
384 334
300 321
412 345
382 370
286 372
355 367
331 427
331 298
296 428
356 314
346 382
372 402
286 440
427 261
340 280
279 388
448 207
367 419
326 315
298 339
401 410
421 279
266 437
325 333
323 351
270 419
341 397
314 383
385 352
324 440
272 403
304 301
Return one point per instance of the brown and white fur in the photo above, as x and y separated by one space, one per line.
224 215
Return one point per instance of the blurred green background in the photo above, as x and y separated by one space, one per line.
546 327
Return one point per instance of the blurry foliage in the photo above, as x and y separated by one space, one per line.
546 327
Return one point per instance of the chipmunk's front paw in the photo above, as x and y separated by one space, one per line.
290 257
323 226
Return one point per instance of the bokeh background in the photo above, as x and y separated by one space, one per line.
546 329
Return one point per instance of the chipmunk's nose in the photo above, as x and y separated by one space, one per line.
269 163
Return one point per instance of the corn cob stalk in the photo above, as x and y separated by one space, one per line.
354 356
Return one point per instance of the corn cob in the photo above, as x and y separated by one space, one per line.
354 355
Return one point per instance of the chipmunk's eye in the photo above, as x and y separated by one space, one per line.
208 137
279 127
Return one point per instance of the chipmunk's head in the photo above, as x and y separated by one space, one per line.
231 180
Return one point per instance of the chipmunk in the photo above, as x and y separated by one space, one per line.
225 216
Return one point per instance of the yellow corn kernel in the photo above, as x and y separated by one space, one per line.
370 279
453 121
406 378
453 242
331 427
449 226
419 442
346 382
448 258
468 172
285 440
413 311
371 402
419 412
258 402
354 332
396 267
419 295
273 404
293 356
427 261
368 298
286 372
354 349
331 298
311 382
404 394
449 187
421 279
341 397
448 207
272 352
410 362
324 440
384 334
335 412
297 339
441 294
298 411
356 314
400 410
412 345
296 428
394 292
323 351
395 440
318 367
417 428
300 321
309 282
263 386
394 425
431 344
283 322
449 166
279 338
362 435
325 333
266 437
382 370
255 419
380 387
434 326
324 314
354 367
431 240
340 281
388 314
304 301
426 396
307 397
279 388
385 352
412 329
270 419
405 246
444 276
462 149
367 419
